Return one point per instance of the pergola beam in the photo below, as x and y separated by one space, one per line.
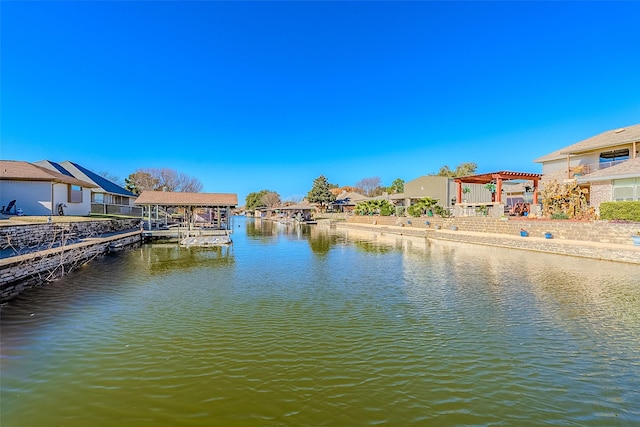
498 178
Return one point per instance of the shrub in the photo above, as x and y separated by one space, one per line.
374 207
425 205
627 210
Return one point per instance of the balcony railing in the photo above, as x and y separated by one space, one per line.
579 170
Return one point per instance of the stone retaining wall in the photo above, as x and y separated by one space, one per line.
23 272
592 231
29 235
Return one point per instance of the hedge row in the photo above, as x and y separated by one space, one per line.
628 211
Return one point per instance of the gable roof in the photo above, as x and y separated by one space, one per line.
169 198
350 198
610 138
15 170
104 183
75 170
628 169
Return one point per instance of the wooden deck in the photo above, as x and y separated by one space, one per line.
180 233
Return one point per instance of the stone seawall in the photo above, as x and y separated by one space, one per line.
610 242
30 235
22 272
588 231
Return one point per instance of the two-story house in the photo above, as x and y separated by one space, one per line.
606 164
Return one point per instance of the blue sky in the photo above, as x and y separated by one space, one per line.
248 96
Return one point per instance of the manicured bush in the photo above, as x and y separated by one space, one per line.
628 211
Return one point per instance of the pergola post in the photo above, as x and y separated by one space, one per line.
498 190
458 191
535 191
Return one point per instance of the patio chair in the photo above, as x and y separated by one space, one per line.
11 205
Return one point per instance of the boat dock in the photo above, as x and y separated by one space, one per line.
180 234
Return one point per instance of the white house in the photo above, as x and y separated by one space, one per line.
40 191
107 197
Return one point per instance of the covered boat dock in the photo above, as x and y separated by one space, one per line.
199 215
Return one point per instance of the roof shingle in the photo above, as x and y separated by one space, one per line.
610 138
16 170
168 198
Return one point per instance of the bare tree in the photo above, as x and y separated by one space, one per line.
294 199
111 177
162 179
368 185
271 199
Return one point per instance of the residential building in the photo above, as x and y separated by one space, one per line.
605 164
41 191
107 197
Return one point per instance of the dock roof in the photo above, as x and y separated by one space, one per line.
169 198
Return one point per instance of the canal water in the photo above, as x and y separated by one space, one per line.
311 326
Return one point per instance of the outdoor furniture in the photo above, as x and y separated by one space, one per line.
11 205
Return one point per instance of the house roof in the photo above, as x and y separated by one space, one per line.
104 183
610 138
304 205
75 170
628 169
349 198
169 198
15 170
485 178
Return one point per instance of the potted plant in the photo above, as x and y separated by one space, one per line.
523 232
491 186
548 235
465 190
636 238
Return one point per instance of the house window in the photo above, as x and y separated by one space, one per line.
75 194
98 197
614 156
626 189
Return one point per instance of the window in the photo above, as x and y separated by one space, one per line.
614 156
75 194
98 197
626 189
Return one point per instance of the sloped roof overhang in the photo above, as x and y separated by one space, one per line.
169 198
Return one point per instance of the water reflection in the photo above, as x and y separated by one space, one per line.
169 257
311 326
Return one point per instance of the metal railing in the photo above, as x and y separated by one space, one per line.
585 169
111 209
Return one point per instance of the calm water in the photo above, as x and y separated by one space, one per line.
316 327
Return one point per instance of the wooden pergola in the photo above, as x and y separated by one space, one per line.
497 178
189 201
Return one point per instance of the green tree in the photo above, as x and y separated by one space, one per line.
397 186
140 181
320 192
255 200
463 169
